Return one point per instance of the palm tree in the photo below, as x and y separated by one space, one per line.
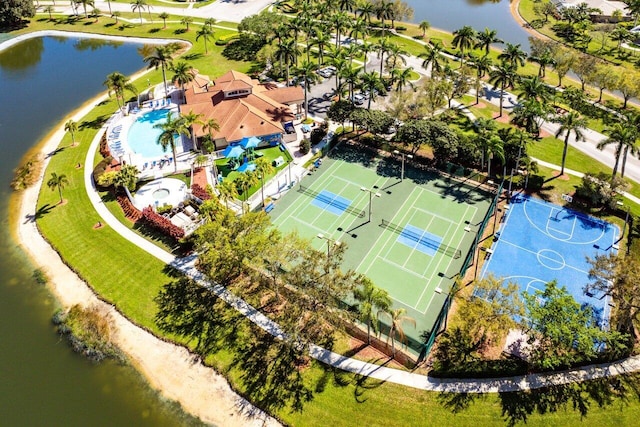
339 21
164 16
139 5
398 319
483 65
432 56
484 128
186 21
504 75
307 73
191 119
570 122
210 126
169 129
372 301
383 46
117 83
424 26
534 88
182 74
401 78
116 14
108 2
160 57
371 83
624 137
210 22
49 9
464 39
84 4
365 8
485 39
206 33
395 56
544 59
494 147
351 76
57 181
287 52
384 10
228 191
71 127
244 181
263 168
513 55
322 40
358 28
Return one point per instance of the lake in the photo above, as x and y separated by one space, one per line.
451 15
43 381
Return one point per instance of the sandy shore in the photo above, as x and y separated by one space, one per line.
169 368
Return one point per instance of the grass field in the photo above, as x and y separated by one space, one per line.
418 250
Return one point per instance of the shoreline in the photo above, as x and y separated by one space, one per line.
168 368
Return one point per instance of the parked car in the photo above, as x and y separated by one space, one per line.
358 99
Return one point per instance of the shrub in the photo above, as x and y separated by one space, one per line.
200 192
107 179
101 168
599 190
27 174
164 209
305 146
401 28
40 276
162 224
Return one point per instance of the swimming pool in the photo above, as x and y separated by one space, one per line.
142 137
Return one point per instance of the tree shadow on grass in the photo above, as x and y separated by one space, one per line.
56 151
517 407
42 211
96 123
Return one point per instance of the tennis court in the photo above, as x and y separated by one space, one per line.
549 243
415 243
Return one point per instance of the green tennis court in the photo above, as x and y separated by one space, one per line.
418 236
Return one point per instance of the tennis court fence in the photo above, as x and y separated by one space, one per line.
425 241
309 192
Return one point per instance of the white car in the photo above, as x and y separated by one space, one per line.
358 99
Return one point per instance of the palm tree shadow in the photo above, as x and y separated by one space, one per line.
42 211
56 151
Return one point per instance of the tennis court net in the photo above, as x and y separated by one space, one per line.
424 241
336 203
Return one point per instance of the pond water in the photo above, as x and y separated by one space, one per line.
451 15
43 381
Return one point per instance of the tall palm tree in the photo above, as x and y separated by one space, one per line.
464 39
424 26
504 75
384 10
513 55
359 29
494 147
321 39
351 76
543 60
366 48
263 168
623 137
139 5
485 39
395 56
71 127
161 58
84 4
398 319
371 83
117 83
244 181
286 53
169 129
383 46
339 63
186 21
228 191
191 119
164 16
483 65
210 22
365 9
340 22
432 56
57 182
205 33
210 126
307 73
570 122
182 74
371 302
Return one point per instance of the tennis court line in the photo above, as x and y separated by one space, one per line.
436 215
548 227
536 255
424 231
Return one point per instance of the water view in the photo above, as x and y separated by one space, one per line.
451 15
43 381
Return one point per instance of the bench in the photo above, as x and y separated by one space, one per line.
269 207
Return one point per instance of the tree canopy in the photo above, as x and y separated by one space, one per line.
12 12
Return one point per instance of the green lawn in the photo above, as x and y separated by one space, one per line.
130 278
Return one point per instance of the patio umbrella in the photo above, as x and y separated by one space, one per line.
248 166
248 143
233 151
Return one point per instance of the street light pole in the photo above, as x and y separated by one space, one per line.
371 194
329 241
409 156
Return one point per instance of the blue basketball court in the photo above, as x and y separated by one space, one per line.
539 242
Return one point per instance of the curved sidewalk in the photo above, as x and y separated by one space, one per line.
490 385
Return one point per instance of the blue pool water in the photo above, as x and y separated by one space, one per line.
143 137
